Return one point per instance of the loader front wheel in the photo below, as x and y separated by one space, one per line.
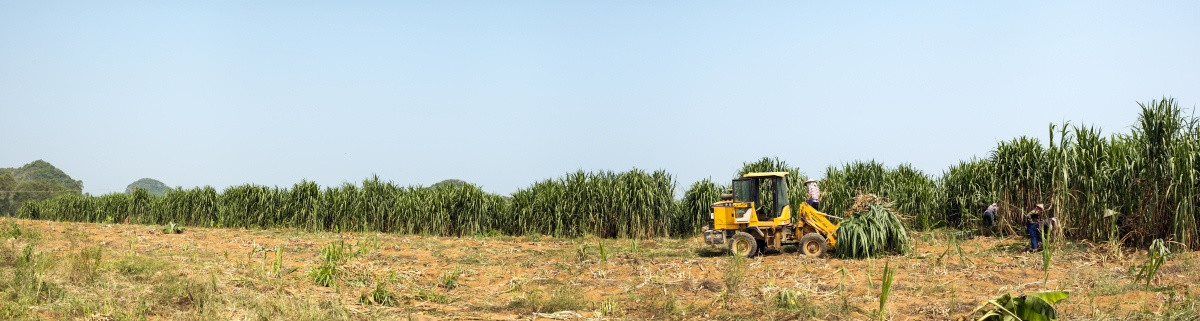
742 244
813 245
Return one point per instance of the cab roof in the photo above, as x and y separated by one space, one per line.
765 174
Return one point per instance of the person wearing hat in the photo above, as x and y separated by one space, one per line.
814 194
989 216
1033 226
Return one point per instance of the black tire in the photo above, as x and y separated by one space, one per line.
742 244
813 245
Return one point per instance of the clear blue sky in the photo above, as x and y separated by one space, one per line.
506 93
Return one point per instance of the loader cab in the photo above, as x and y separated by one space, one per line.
767 191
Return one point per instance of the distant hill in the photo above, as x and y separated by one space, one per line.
42 171
36 180
153 186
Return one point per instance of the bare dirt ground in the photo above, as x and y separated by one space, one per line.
118 272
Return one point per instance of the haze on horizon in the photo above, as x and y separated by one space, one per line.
504 94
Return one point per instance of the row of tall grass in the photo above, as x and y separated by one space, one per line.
1136 186
628 204
372 206
634 203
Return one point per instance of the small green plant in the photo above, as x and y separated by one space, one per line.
870 276
530 300
449 280
27 284
331 257
84 265
379 296
841 288
795 302
335 251
1047 255
366 246
609 307
323 275
787 299
957 247
581 252
14 230
563 299
885 289
137 267
1035 306
661 306
422 294
603 253
172 228
735 274
179 290
277 266
1157 255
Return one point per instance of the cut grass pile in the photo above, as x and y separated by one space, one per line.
872 231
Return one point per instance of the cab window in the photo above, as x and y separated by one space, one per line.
744 190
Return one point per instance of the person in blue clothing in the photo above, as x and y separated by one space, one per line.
989 215
989 218
1033 226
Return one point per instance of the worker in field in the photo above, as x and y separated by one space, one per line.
1050 226
814 194
1033 226
989 217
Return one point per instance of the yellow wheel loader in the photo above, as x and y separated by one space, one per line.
757 216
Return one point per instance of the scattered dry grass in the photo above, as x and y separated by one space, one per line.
119 272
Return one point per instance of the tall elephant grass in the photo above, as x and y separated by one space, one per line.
696 205
1022 177
843 183
911 192
111 208
965 190
635 203
373 206
630 204
1167 142
1135 186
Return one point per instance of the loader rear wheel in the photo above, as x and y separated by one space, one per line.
813 245
742 244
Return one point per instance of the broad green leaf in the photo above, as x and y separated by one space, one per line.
1052 297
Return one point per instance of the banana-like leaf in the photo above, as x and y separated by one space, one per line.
1030 307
